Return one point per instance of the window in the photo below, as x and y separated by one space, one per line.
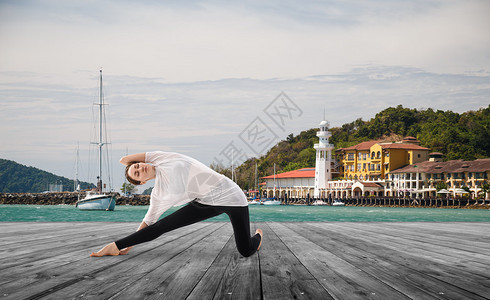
372 155
418 155
378 154
359 155
364 156
350 156
378 167
358 167
364 166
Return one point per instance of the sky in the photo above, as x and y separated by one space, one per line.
204 77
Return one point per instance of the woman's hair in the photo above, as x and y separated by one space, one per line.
131 180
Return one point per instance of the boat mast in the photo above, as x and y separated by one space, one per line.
75 183
100 131
274 180
232 165
256 180
100 143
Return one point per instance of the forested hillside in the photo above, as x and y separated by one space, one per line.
17 178
458 136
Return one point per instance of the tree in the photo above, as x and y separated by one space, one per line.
128 188
485 188
441 186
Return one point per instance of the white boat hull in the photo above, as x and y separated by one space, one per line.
272 202
97 202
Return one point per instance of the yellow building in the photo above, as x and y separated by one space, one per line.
372 160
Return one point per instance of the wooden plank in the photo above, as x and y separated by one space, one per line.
33 232
241 278
463 230
49 239
400 273
297 260
283 275
340 278
476 229
61 272
208 286
55 258
471 262
74 276
176 278
419 259
230 276
437 236
52 247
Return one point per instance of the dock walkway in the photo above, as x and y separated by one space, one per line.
331 260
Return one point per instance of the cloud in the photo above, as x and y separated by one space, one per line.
215 40
189 76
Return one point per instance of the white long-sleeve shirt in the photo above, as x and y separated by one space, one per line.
180 179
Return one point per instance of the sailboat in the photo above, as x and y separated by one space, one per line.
97 200
272 201
256 199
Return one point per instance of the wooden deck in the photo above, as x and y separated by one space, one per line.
297 260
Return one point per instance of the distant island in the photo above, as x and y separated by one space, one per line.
17 178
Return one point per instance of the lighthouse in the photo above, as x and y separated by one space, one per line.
323 164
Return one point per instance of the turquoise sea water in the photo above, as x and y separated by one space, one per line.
282 213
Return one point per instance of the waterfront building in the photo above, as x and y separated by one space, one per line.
377 168
420 179
298 184
372 160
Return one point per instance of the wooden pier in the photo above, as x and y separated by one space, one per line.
334 260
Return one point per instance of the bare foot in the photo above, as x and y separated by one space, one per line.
259 231
125 250
109 249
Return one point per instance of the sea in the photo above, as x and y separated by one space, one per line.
258 213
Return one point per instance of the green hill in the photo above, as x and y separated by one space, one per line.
458 136
17 178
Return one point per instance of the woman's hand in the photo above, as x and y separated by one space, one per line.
128 159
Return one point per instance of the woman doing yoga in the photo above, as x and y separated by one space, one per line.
180 180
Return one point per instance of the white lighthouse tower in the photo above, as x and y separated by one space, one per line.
323 165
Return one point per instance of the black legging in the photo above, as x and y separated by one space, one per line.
195 212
